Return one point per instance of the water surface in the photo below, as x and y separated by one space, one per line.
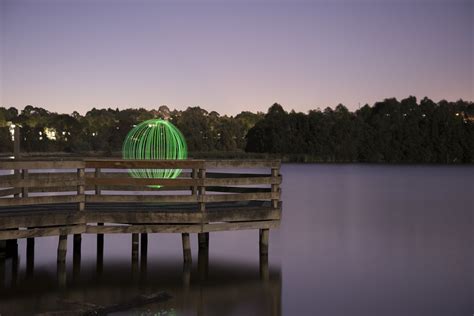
354 240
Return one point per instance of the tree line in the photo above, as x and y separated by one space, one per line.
392 131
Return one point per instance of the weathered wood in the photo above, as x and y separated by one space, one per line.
45 182
237 189
38 164
138 164
242 214
203 240
30 256
7 192
150 228
202 190
77 241
137 217
142 181
41 200
62 248
41 232
100 250
275 187
135 244
240 197
240 226
142 198
242 163
32 218
24 176
263 241
242 181
97 175
143 245
80 189
186 247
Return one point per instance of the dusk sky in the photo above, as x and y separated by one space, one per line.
231 56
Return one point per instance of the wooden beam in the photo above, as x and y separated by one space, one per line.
40 200
138 164
41 164
235 163
141 198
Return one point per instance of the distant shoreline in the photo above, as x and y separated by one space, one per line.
293 158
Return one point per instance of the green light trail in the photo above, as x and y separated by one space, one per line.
154 139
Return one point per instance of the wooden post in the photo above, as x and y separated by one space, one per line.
202 190
264 234
186 248
144 244
30 256
275 173
76 250
16 142
24 176
97 175
203 240
194 175
62 248
100 252
135 243
80 187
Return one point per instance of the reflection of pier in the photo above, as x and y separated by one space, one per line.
205 288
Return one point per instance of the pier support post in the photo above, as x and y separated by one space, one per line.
135 244
203 239
144 244
77 245
62 248
263 242
30 256
100 252
186 248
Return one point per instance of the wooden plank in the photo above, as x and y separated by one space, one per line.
241 181
41 232
240 197
165 228
45 182
142 217
237 189
142 198
142 182
41 164
7 192
41 200
153 164
242 163
242 214
240 226
37 219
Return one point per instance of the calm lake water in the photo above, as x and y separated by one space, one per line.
354 240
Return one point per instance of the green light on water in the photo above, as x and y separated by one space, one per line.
154 139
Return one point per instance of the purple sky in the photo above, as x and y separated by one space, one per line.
230 56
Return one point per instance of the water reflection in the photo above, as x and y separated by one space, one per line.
206 288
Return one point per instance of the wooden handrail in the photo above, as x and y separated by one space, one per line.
93 173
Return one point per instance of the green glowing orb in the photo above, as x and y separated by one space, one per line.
154 139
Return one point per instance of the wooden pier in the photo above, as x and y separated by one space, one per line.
97 196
